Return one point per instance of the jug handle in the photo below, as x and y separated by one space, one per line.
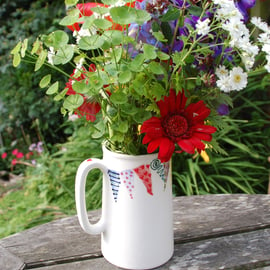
81 176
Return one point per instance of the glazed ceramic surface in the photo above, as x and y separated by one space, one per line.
136 225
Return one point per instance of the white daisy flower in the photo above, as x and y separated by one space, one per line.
221 71
248 60
238 78
257 21
266 48
224 84
264 38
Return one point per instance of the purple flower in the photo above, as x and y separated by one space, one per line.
39 148
32 147
223 109
243 6
180 3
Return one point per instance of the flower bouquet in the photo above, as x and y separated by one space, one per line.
152 75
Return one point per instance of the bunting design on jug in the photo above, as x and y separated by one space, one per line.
162 169
143 172
145 175
127 178
115 183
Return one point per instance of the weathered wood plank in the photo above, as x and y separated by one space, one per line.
9 262
249 250
53 241
196 218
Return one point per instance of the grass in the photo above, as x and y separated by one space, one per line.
21 209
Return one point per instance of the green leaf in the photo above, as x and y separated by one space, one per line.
159 36
138 83
118 137
100 10
41 59
195 10
17 48
87 21
167 31
136 63
117 54
72 102
121 126
142 16
36 46
118 98
109 2
142 116
156 68
96 82
171 15
163 56
158 91
56 39
80 87
99 130
44 82
125 76
53 88
111 69
123 15
61 95
129 109
91 43
177 58
16 59
69 20
64 55
71 2
102 24
113 37
149 51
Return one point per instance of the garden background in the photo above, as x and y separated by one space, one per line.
41 150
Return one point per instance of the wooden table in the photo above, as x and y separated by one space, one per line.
211 232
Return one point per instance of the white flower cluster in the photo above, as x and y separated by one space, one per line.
232 21
263 38
235 79
203 27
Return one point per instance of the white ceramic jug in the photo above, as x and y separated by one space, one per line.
136 224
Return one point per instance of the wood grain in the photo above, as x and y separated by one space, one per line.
218 231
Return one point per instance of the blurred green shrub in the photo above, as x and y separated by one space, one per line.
26 113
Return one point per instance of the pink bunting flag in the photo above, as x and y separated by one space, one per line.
144 174
127 179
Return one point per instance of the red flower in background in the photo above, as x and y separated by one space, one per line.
179 125
86 10
89 109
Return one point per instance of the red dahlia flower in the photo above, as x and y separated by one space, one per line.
179 125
